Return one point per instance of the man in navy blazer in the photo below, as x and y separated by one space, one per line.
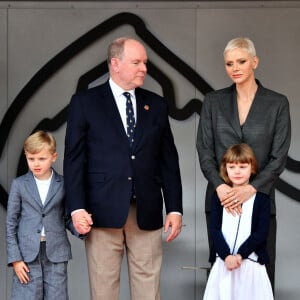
115 188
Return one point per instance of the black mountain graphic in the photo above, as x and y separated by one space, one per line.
79 45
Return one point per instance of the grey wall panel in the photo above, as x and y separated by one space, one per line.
35 32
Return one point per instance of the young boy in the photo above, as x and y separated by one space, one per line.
37 244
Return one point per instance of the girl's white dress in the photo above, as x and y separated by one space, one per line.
250 281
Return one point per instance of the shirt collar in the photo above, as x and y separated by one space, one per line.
117 90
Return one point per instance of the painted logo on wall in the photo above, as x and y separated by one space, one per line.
167 86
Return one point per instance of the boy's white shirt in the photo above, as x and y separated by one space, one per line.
43 188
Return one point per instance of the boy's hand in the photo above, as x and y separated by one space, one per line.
21 270
82 221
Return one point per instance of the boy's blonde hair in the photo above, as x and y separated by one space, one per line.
238 153
39 140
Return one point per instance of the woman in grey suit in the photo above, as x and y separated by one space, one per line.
245 112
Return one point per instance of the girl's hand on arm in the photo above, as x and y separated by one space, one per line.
231 262
21 270
239 259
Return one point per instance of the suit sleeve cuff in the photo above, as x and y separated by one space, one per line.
175 213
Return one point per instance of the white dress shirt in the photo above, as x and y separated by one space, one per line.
121 101
43 188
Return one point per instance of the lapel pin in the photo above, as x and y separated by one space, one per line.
146 107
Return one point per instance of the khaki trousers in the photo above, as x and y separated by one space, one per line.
105 249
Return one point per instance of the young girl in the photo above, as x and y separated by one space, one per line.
239 249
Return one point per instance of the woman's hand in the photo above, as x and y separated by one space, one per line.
232 198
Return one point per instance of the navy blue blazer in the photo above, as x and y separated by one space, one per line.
100 167
256 242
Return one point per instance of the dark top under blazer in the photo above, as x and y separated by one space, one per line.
267 130
99 164
256 242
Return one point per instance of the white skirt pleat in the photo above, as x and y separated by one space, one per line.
250 281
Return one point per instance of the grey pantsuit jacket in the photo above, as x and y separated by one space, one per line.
26 215
267 130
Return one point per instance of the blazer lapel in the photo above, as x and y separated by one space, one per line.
142 117
255 109
55 184
33 189
228 103
110 106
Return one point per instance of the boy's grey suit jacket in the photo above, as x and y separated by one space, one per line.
26 215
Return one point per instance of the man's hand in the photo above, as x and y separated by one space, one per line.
21 270
173 221
82 221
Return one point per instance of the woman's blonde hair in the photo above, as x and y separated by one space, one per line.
241 43
238 153
39 140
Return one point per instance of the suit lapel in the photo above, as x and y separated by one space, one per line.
228 104
55 184
33 189
233 115
110 106
255 109
142 117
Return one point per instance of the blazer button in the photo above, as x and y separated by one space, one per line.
129 178
132 156
43 215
